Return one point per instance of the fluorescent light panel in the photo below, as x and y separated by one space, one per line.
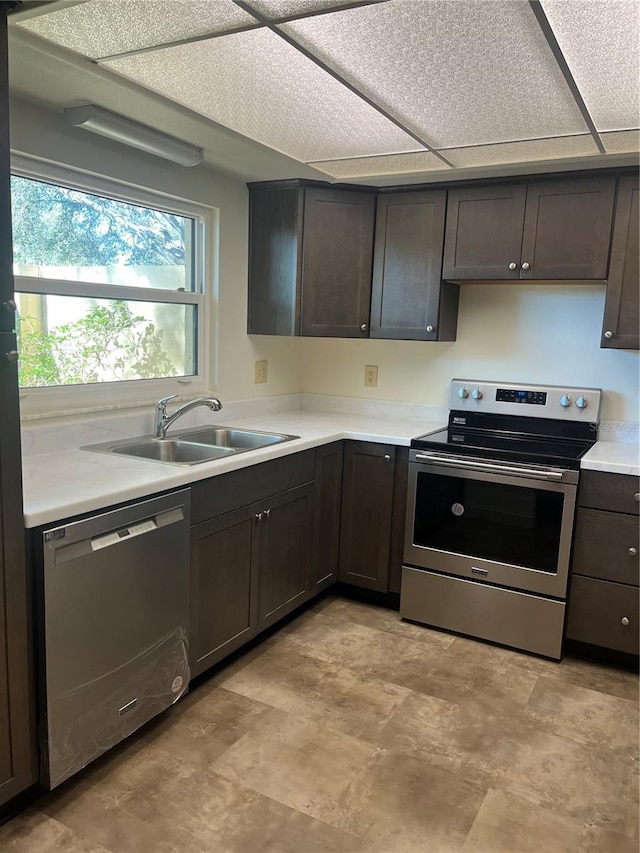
128 132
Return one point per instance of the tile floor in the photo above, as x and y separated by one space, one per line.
351 731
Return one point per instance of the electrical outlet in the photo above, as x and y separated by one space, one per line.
371 375
260 371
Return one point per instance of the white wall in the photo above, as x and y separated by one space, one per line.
43 134
512 333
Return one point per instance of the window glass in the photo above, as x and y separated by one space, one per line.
62 233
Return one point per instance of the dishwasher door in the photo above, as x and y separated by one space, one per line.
116 624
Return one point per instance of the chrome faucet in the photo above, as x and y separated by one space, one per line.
164 420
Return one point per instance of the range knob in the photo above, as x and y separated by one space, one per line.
565 401
582 402
476 394
463 393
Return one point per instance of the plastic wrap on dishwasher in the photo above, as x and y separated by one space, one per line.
83 723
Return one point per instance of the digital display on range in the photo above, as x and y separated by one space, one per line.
510 395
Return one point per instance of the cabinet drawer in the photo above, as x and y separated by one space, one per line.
227 492
614 492
606 546
596 612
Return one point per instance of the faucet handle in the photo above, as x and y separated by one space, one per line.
162 404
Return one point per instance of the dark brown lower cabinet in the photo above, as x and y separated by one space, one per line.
367 506
328 500
224 589
284 553
603 614
602 609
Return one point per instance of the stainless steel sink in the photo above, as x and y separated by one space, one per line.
237 439
175 452
199 444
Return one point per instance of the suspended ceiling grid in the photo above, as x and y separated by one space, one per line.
365 89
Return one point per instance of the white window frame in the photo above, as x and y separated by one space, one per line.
62 399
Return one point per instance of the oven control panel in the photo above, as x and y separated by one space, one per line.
537 401
519 395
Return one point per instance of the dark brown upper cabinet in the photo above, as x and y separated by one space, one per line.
557 229
621 316
484 232
310 260
409 299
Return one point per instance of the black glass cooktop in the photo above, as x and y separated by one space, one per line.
552 443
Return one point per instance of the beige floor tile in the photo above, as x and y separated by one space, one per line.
591 783
509 824
585 715
381 618
301 764
403 804
34 832
332 695
200 728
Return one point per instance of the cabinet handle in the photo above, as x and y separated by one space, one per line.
633 551
267 513
624 621
637 496
387 458
363 327
431 328
13 356
10 306
513 266
258 516
608 335
526 266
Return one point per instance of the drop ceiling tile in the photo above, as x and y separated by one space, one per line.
522 152
601 42
258 85
106 27
460 72
390 164
621 141
284 8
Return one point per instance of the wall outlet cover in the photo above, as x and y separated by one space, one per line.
371 375
260 371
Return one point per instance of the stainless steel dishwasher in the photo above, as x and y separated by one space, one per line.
115 595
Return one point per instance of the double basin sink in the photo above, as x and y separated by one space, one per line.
192 446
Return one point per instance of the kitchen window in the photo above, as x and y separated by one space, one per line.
110 292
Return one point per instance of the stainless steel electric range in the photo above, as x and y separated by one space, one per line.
490 510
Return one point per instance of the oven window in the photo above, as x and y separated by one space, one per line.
491 521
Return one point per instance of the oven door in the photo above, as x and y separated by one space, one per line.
509 527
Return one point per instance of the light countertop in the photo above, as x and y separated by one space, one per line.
616 457
63 483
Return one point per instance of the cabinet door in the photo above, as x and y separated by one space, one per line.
409 300
328 500
603 614
567 228
223 587
367 506
285 533
336 263
621 315
275 237
484 232
17 729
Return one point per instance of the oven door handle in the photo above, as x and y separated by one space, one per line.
533 473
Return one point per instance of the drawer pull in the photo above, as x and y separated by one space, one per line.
637 496
624 621
633 551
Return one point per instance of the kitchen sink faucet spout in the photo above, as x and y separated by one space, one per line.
164 420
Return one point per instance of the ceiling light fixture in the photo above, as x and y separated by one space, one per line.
122 129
